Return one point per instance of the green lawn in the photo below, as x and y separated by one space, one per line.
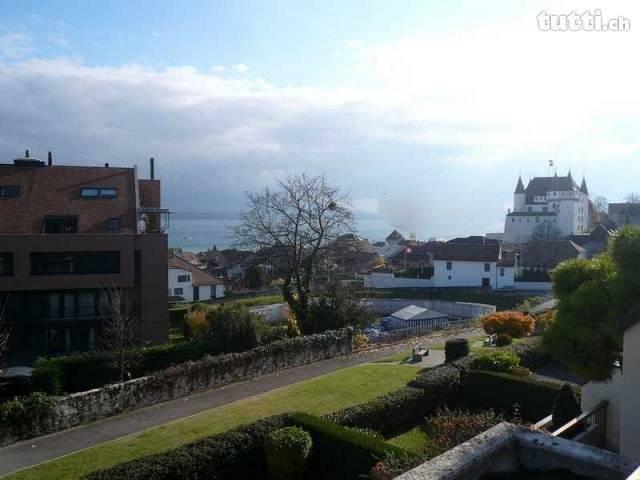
415 440
319 396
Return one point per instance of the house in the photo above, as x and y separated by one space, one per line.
556 200
69 233
472 265
621 392
594 242
393 244
190 283
625 213
537 258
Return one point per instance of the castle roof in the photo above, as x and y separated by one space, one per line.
539 186
583 187
519 186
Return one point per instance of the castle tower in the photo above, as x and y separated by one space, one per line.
519 196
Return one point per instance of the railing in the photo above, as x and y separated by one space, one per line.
588 422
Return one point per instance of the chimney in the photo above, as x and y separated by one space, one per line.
106 165
151 166
26 153
49 159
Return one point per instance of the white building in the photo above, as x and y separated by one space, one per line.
472 265
190 283
557 200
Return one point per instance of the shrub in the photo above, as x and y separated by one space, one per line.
231 455
449 428
531 352
341 453
391 466
196 321
360 341
272 333
543 321
496 361
520 372
293 329
286 451
501 391
22 413
47 379
232 329
456 348
503 340
440 385
516 324
565 406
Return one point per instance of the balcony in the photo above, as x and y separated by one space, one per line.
153 220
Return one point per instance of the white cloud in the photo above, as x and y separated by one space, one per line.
15 45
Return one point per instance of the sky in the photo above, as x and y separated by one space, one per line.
424 112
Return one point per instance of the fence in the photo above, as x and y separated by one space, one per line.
589 428
420 329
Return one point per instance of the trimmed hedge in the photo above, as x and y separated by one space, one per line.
501 391
456 348
531 353
404 407
231 455
341 453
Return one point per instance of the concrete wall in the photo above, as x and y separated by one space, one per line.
506 280
270 313
180 381
534 286
630 420
611 391
386 306
387 280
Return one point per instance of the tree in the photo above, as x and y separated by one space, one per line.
295 226
120 328
600 210
254 277
337 306
545 231
633 197
232 329
593 295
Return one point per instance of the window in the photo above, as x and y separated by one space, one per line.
545 209
513 220
87 304
449 266
537 219
98 192
75 263
73 305
58 225
10 190
487 267
6 264
502 272
178 291
113 224
529 209
184 278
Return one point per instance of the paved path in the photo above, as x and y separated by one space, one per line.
32 452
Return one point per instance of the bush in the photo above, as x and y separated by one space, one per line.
272 333
196 321
231 455
496 361
513 323
501 392
341 453
286 451
22 413
531 352
360 341
232 329
543 321
47 379
503 340
456 348
449 428
565 406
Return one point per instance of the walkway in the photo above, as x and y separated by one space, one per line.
32 452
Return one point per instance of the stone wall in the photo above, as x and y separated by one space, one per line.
180 381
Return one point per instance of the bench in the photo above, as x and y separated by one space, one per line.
419 353
490 341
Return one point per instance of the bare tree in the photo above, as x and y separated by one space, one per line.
545 231
295 227
633 197
600 210
120 328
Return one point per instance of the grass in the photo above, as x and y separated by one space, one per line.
415 440
320 395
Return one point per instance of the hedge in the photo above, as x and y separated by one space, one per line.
231 455
531 353
337 453
341 453
404 407
501 391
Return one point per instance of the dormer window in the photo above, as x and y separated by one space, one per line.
9 191
99 192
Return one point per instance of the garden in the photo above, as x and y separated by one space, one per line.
372 421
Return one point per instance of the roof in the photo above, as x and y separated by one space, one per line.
531 214
583 187
539 186
474 239
395 236
419 252
198 277
548 253
506 262
413 312
519 186
468 252
54 191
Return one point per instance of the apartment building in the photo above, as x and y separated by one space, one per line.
68 235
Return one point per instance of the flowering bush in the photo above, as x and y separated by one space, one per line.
544 320
514 324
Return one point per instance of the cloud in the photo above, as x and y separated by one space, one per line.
15 45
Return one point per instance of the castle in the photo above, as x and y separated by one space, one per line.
556 200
